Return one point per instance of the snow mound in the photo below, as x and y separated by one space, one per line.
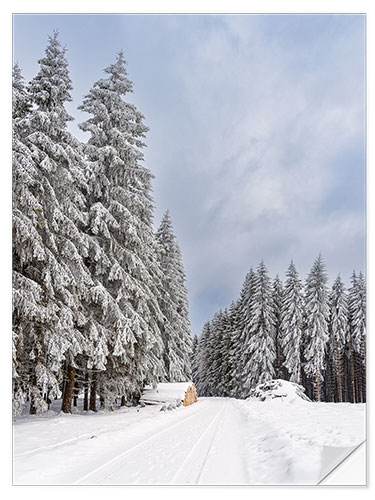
165 393
273 389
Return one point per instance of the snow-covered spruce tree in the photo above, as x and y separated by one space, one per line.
214 353
195 361
204 360
175 327
61 159
120 220
261 338
292 324
235 351
21 105
31 306
349 361
228 346
226 382
220 367
57 211
357 339
360 336
277 298
317 320
338 334
241 336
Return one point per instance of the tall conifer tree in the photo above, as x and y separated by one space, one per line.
242 335
338 332
277 298
357 336
195 361
261 341
317 318
205 359
59 218
174 305
292 324
120 220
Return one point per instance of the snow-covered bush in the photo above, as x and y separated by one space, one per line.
272 389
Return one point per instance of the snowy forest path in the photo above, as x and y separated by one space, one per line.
175 455
217 457
215 441
206 443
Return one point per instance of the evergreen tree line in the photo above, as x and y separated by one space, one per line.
304 333
99 299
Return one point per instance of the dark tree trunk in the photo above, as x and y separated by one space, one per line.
86 392
123 401
363 379
360 385
66 406
352 375
317 388
346 379
32 406
93 392
338 361
64 381
32 410
317 383
75 393
101 399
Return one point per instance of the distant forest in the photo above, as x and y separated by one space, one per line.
304 333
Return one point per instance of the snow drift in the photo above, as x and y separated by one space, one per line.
272 389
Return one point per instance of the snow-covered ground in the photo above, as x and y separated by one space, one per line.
215 441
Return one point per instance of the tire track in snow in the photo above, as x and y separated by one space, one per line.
86 435
117 458
199 453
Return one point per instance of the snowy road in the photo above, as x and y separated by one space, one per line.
216 441
182 453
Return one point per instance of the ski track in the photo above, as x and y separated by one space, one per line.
184 454
124 468
198 455
113 464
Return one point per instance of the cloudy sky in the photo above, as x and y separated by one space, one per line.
257 133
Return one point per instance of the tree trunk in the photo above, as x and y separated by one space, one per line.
339 375
317 384
317 388
93 392
75 393
86 392
32 410
346 379
123 401
352 372
360 381
66 406
363 359
32 406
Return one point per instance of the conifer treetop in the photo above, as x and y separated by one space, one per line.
51 87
